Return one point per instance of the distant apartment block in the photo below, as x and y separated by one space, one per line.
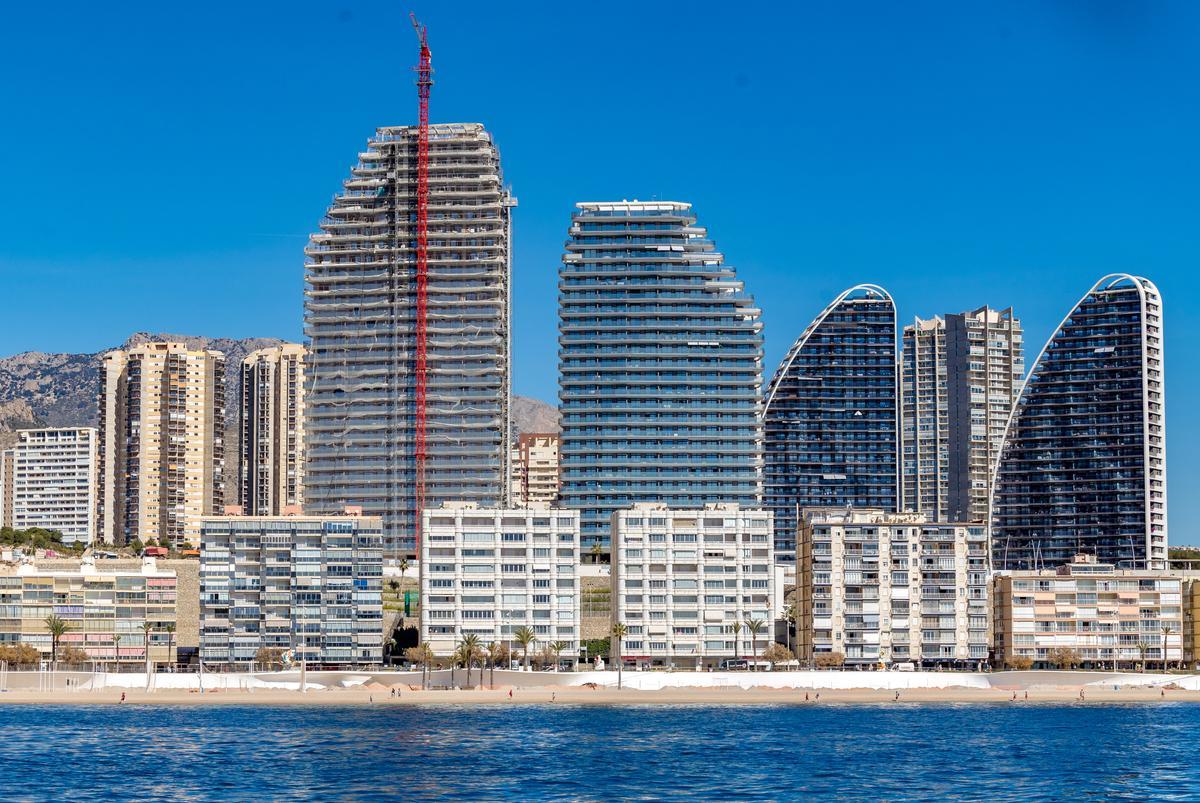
310 584
960 377
162 447
54 480
271 430
1110 618
1191 619
7 459
660 366
685 583
884 588
1083 465
489 572
830 429
535 469
105 610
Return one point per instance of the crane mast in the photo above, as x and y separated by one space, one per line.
424 71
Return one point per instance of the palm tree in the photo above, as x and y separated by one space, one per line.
596 553
619 631
789 616
170 628
755 627
147 629
557 648
470 651
1166 631
737 639
492 649
525 636
1142 647
56 627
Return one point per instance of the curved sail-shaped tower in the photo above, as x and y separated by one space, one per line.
1083 465
360 313
830 417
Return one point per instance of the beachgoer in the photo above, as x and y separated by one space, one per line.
897 695
1014 697
1026 695
1162 692
806 697
510 694
553 696
818 697
122 696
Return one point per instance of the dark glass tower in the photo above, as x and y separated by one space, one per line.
660 367
830 421
1083 466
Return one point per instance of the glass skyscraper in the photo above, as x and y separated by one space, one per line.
830 417
360 312
660 367
1083 466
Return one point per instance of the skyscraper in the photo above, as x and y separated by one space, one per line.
659 370
360 313
1083 465
162 450
830 417
271 430
960 377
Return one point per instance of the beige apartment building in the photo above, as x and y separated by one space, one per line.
1109 617
162 452
105 609
271 430
535 473
885 588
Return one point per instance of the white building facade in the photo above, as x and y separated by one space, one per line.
54 481
685 583
490 572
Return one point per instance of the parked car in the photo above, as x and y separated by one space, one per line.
735 664
904 666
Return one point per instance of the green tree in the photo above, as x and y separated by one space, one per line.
170 628
557 647
619 631
147 629
420 655
1167 630
525 636
1143 647
737 639
469 648
56 627
755 626
596 552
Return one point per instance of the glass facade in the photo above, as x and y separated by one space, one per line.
660 367
829 422
1083 466
360 312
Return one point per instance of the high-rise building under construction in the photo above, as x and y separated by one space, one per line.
361 314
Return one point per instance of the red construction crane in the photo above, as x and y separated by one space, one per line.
424 83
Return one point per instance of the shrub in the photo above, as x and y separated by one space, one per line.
1063 658
777 654
828 660
1019 663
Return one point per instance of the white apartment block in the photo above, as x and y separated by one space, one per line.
54 477
535 469
681 579
271 430
489 572
884 588
1111 618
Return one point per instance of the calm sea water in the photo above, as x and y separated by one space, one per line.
895 752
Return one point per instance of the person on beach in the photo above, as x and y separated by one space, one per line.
1026 694
553 696
1081 697
510 694
897 697
806 697
1014 697
818 697
122 696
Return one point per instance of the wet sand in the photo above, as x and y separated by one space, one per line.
574 695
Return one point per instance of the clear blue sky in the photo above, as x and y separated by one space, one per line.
162 165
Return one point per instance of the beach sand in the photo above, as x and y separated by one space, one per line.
574 695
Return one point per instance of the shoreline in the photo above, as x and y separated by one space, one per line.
576 696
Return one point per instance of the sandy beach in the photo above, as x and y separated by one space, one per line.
574 695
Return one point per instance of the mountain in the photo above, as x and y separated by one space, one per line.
533 415
60 390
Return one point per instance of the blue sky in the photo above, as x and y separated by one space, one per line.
163 165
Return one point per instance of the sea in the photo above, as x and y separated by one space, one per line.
895 752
